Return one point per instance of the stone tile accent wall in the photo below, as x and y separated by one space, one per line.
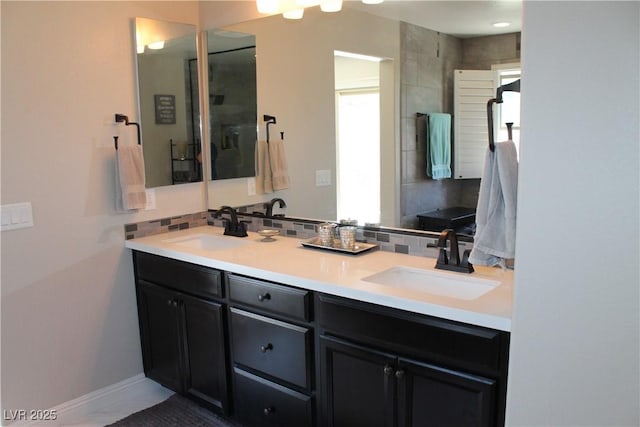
426 66
410 242
163 225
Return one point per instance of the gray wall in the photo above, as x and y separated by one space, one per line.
427 64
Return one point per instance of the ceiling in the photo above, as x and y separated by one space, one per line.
460 18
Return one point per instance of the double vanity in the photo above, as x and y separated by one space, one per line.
277 334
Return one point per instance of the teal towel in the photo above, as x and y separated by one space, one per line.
439 154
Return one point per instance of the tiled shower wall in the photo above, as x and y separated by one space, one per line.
427 64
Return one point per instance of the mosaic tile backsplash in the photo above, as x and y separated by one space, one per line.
411 242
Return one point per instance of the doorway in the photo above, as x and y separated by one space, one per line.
357 88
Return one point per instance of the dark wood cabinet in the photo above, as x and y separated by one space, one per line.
358 385
272 355
260 402
430 395
183 337
160 334
271 332
370 377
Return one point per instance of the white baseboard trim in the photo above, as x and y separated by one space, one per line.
105 405
91 400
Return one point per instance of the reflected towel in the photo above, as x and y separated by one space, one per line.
439 154
279 169
263 169
495 238
130 177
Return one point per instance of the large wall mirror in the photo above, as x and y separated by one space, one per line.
168 99
232 103
297 62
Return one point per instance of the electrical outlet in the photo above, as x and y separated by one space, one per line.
251 186
151 199
323 178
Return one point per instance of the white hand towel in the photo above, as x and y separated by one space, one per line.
495 238
130 176
263 169
279 169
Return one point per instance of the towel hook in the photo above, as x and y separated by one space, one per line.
121 118
269 120
509 87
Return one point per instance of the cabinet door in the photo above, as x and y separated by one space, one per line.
429 395
206 376
358 385
158 311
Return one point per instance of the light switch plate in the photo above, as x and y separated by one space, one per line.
16 215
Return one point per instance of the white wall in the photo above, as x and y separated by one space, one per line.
69 323
574 351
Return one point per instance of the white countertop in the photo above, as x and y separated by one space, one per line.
286 261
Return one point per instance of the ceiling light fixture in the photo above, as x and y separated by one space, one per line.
156 45
294 9
501 24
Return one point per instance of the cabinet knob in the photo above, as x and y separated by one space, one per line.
264 297
388 369
265 348
268 411
400 374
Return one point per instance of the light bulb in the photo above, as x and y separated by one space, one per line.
331 5
268 6
294 14
156 45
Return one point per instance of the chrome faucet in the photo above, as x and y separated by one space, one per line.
269 205
452 261
232 227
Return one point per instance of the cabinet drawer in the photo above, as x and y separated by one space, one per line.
276 348
270 297
259 402
452 343
190 278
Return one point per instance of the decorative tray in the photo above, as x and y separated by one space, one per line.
337 247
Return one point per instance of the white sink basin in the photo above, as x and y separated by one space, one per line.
208 242
450 285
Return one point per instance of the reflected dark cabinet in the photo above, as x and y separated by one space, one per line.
182 335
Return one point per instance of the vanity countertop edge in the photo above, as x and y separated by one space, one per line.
286 261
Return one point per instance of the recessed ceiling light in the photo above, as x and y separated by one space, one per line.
501 24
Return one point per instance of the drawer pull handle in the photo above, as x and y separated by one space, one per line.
388 370
268 411
264 297
265 348
400 374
